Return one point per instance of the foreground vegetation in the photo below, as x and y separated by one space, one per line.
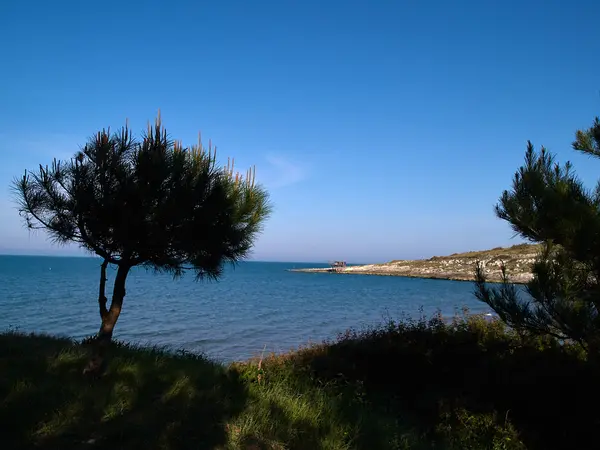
425 384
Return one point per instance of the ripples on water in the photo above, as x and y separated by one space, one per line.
254 305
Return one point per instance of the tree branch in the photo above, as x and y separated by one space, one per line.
99 251
29 210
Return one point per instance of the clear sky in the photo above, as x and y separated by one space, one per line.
383 129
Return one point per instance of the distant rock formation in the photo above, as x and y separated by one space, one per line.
518 260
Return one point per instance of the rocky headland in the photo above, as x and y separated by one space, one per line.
459 266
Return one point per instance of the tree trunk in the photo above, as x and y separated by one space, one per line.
101 295
109 317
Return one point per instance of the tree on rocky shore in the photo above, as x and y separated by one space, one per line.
549 204
150 203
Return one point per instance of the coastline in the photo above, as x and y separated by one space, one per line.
517 259
423 276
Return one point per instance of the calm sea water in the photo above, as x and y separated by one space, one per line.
254 305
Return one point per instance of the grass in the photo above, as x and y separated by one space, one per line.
425 384
506 253
514 250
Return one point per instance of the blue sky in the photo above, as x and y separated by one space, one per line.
383 129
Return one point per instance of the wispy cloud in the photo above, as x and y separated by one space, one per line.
282 171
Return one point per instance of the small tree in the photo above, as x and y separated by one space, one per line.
150 203
548 204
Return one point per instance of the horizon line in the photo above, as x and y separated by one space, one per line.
42 255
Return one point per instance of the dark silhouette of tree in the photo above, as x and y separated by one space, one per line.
150 203
548 204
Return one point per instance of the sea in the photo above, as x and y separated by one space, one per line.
255 308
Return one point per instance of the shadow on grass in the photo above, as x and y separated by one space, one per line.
469 384
282 415
289 432
146 399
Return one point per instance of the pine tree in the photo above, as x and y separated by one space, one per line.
549 204
150 203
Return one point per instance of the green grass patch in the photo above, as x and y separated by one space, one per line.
425 384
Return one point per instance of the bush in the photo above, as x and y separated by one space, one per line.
470 382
